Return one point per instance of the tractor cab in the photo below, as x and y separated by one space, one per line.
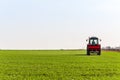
93 46
93 41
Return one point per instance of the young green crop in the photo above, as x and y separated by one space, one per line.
59 65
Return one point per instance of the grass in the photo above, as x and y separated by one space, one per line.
58 65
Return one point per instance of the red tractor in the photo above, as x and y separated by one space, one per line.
93 46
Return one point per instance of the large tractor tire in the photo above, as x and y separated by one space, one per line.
88 52
99 52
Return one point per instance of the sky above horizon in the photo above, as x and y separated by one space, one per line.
52 24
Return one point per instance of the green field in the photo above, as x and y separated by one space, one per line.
59 65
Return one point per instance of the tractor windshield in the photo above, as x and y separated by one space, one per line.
93 41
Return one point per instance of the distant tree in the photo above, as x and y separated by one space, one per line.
108 48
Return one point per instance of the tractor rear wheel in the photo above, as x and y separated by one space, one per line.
99 52
88 52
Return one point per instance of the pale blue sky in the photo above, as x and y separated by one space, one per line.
52 24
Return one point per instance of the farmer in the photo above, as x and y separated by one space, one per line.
93 42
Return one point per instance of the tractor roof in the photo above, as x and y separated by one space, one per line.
93 38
